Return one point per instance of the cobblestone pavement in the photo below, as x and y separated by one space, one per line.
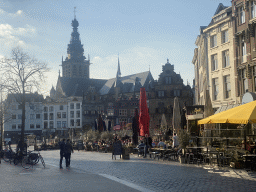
159 175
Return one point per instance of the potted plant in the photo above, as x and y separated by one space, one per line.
183 138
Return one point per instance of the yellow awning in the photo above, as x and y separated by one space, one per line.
237 115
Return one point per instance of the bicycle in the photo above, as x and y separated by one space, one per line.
8 155
35 157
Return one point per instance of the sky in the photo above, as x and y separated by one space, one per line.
144 33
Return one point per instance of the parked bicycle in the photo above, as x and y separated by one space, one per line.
26 160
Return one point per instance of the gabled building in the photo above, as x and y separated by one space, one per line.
161 97
215 69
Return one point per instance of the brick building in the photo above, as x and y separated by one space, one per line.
244 14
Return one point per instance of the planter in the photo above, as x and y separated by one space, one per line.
125 153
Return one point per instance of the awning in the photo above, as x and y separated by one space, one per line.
242 114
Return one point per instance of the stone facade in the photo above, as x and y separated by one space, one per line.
34 116
200 61
161 98
244 19
215 69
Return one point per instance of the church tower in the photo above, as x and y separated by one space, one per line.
75 64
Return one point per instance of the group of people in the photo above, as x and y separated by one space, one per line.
66 149
146 144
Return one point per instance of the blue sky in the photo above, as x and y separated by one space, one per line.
143 32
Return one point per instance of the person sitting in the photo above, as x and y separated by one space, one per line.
161 144
141 148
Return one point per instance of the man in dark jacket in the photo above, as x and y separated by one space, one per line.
69 149
62 151
148 144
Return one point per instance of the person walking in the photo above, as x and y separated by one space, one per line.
69 149
62 151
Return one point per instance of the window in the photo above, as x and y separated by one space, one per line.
160 93
243 45
51 124
45 116
58 115
71 105
51 116
32 107
19 116
13 116
32 116
71 114
19 126
64 115
72 122
253 9
224 35
242 15
110 104
215 86
38 126
227 86
13 126
168 80
225 58
176 93
64 124
110 112
245 81
32 126
86 112
38 116
214 62
213 41
58 124
45 109
122 121
77 114
93 112
78 106
45 125
19 106
123 112
132 112
78 122
51 108
61 107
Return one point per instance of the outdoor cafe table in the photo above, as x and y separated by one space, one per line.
160 151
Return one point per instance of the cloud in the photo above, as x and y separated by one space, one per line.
11 36
3 13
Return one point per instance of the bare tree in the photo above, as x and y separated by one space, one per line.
22 74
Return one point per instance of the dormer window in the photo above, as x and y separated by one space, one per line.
168 80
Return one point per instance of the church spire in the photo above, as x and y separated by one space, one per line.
118 74
75 48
